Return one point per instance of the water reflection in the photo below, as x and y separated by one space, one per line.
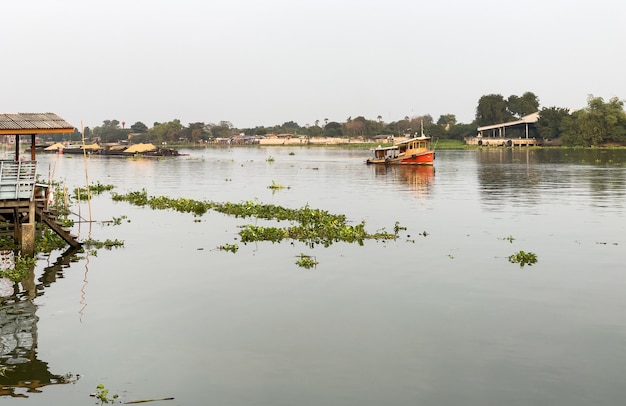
419 178
523 177
20 369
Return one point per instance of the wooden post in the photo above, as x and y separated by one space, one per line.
17 148
32 147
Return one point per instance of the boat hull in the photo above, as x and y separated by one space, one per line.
425 158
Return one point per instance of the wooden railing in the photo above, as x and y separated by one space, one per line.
17 180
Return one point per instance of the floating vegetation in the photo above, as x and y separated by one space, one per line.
523 258
229 247
107 244
23 265
509 239
48 241
118 220
314 226
306 261
102 394
292 153
270 159
96 188
277 186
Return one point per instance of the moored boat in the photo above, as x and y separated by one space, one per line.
414 151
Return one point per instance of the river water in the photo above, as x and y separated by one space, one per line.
438 317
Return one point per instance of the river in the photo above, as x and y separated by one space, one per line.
439 316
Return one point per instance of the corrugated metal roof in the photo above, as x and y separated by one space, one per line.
33 121
529 119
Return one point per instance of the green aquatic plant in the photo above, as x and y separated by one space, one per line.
306 261
48 241
229 247
523 258
23 265
97 188
106 244
509 239
277 186
102 394
312 226
116 221
270 159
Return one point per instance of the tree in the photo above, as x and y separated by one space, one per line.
598 123
550 123
461 131
166 132
492 109
333 129
446 120
523 106
222 130
139 127
110 131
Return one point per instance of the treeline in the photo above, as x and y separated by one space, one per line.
599 123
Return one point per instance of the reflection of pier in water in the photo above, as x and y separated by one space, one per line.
19 367
509 174
419 177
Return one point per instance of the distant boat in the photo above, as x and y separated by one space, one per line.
415 151
112 149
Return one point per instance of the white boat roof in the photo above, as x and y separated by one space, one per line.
420 138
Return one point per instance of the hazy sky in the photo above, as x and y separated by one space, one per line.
254 62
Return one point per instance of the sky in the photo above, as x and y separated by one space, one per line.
263 63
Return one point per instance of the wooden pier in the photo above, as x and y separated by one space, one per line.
20 205
503 142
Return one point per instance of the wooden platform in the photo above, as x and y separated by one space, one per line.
503 142
19 206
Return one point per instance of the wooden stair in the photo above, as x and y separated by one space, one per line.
51 221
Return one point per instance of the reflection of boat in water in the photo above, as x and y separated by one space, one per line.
420 177
415 151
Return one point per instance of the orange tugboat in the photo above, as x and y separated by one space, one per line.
415 151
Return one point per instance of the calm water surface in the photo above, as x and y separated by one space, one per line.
438 317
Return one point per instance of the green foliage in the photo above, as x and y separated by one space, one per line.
118 220
314 226
107 244
49 241
523 258
229 247
276 186
492 109
165 132
306 261
550 123
23 265
600 122
102 394
523 106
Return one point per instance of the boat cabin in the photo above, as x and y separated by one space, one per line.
386 153
419 144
